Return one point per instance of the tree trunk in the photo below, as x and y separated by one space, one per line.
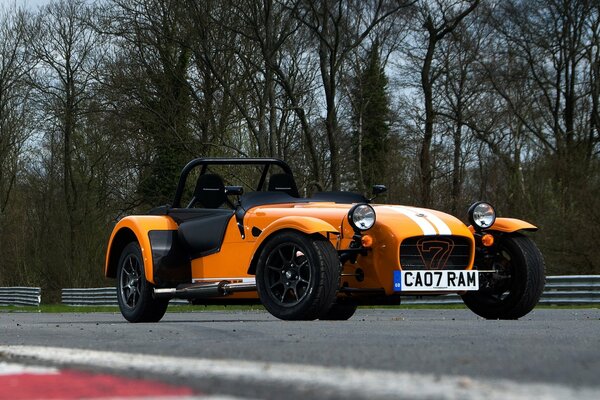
456 167
425 155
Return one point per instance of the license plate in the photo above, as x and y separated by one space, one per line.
426 281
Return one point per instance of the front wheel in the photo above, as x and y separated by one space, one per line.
134 292
517 285
297 275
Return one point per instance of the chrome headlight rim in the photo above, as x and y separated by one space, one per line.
364 212
482 211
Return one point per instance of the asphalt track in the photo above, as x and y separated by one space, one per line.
425 353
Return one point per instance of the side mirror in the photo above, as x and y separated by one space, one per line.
234 190
378 189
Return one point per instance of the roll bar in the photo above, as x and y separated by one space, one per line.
205 162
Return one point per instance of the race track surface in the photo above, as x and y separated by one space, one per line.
555 347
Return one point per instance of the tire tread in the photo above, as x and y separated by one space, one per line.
325 291
148 309
534 275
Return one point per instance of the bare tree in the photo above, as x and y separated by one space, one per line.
340 26
150 83
438 19
15 62
462 100
256 52
67 55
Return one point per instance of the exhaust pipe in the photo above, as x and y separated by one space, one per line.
201 290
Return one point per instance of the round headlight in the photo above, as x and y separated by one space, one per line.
482 215
361 217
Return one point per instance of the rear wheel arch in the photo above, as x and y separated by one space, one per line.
121 239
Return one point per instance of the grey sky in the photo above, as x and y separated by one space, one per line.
33 4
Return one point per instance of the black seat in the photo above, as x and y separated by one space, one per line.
202 230
204 234
283 183
209 192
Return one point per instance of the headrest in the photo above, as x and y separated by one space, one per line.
210 191
283 183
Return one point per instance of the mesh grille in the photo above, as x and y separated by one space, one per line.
435 253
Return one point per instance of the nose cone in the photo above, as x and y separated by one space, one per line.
412 221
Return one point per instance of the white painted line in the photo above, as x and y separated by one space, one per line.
343 381
426 227
17 369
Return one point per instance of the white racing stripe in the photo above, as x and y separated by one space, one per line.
426 227
440 225
347 382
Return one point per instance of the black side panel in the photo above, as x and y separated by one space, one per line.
340 197
204 236
180 215
171 262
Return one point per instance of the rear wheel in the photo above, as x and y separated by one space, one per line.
516 286
297 275
134 292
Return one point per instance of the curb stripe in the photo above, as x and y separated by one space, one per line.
342 381
22 382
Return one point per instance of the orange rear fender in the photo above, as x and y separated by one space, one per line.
135 228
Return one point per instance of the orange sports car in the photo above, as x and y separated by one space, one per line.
313 258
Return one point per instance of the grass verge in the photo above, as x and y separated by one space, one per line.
62 308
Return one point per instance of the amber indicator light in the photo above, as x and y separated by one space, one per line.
487 240
367 241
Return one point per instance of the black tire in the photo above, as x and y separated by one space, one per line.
340 312
134 292
522 267
297 275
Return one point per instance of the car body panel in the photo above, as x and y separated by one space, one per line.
512 225
368 270
394 224
509 225
140 226
232 262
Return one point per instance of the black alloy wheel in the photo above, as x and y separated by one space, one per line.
516 286
288 274
134 292
297 275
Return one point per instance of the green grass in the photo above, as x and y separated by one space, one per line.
61 308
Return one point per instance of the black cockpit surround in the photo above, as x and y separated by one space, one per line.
340 197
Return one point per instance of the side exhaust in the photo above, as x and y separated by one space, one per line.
200 290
